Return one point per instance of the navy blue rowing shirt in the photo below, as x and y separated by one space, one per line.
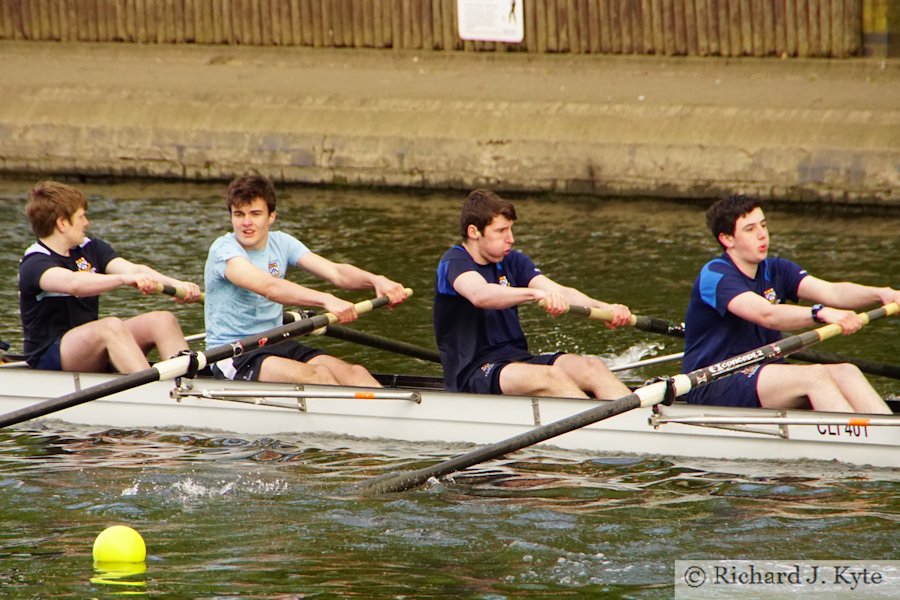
713 334
468 337
47 316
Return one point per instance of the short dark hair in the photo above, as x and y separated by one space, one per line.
724 213
49 201
480 208
248 188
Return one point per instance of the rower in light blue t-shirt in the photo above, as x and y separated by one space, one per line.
239 312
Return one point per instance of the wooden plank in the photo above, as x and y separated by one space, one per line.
824 27
592 16
647 27
429 33
815 31
692 26
336 24
659 36
701 18
615 27
603 8
366 35
562 26
757 29
61 17
803 46
837 29
734 27
414 16
624 10
176 33
779 39
853 33
746 25
437 25
680 18
316 25
790 27
633 11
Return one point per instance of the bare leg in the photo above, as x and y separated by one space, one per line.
835 388
523 379
592 375
158 329
857 389
344 372
285 370
95 345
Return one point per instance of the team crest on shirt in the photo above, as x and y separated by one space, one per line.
503 281
82 264
273 268
771 296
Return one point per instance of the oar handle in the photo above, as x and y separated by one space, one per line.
651 324
171 290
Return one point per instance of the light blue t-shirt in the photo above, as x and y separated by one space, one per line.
232 312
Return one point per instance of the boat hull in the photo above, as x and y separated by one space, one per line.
451 417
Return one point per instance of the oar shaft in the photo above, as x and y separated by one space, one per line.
371 340
642 397
866 366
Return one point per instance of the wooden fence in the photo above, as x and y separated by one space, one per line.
826 28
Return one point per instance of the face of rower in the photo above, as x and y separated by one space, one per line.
251 224
750 242
497 240
74 229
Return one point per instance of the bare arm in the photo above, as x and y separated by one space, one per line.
786 317
82 284
350 277
844 294
242 273
491 296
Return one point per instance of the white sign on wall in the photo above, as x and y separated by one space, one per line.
491 20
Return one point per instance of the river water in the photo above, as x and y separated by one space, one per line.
266 518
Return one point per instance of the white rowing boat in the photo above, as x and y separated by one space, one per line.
412 409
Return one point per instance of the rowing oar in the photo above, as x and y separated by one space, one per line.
866 366
642 397
651 324
182 365
171 290
369 339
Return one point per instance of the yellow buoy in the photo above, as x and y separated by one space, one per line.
119 544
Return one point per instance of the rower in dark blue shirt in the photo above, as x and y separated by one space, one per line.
480 284
740 302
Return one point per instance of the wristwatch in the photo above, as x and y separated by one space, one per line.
815 312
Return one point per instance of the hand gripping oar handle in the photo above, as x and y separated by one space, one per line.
171 290
181 365
641 397
651 324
